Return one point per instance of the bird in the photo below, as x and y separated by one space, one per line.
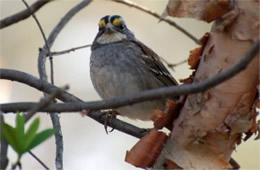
121 65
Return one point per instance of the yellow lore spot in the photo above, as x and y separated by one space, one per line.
117 21
102 23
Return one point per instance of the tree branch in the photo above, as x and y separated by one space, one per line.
43 74
140 97
78 105
23 14
171 66
38 160
36 83
44 102
172 23
54 34
69 50
38 24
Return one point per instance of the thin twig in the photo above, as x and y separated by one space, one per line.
156 15
43 75
36 158
42 104
23 14
36 83
176 64
54 117
44 38
38 24
171 66
45 102
70 50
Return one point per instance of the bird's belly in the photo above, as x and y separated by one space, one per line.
141 111
109 84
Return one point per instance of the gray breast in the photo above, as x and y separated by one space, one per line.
116 70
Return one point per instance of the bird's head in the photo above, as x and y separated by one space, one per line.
112 28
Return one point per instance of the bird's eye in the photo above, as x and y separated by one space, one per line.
102 23
117 22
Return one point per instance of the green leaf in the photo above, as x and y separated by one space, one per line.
20 129
40 137
10 135
31 132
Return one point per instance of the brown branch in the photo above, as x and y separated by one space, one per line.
156 15
22 14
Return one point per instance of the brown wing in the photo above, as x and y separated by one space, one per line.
156 66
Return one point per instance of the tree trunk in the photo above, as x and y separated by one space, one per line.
211 123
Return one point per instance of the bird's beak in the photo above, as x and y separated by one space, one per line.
109 29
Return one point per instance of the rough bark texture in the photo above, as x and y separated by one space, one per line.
211 123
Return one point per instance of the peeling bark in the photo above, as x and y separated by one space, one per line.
211 123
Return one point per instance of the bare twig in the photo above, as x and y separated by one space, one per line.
36 83
44 38
69 50
42 104
4 147
171 66
23 14
38 24
54 34
43 75
118 124
176 64
36 158
156 15
54 117
45 102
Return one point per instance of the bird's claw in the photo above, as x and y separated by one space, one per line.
108 120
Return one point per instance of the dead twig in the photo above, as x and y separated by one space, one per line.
23 14
171 66
45 102
43 75
38 160
69 50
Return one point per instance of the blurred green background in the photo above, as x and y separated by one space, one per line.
86 144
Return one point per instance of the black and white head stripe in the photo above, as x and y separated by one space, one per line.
115 20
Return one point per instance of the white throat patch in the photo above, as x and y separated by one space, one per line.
109 38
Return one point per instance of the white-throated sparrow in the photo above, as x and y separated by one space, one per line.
121 65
